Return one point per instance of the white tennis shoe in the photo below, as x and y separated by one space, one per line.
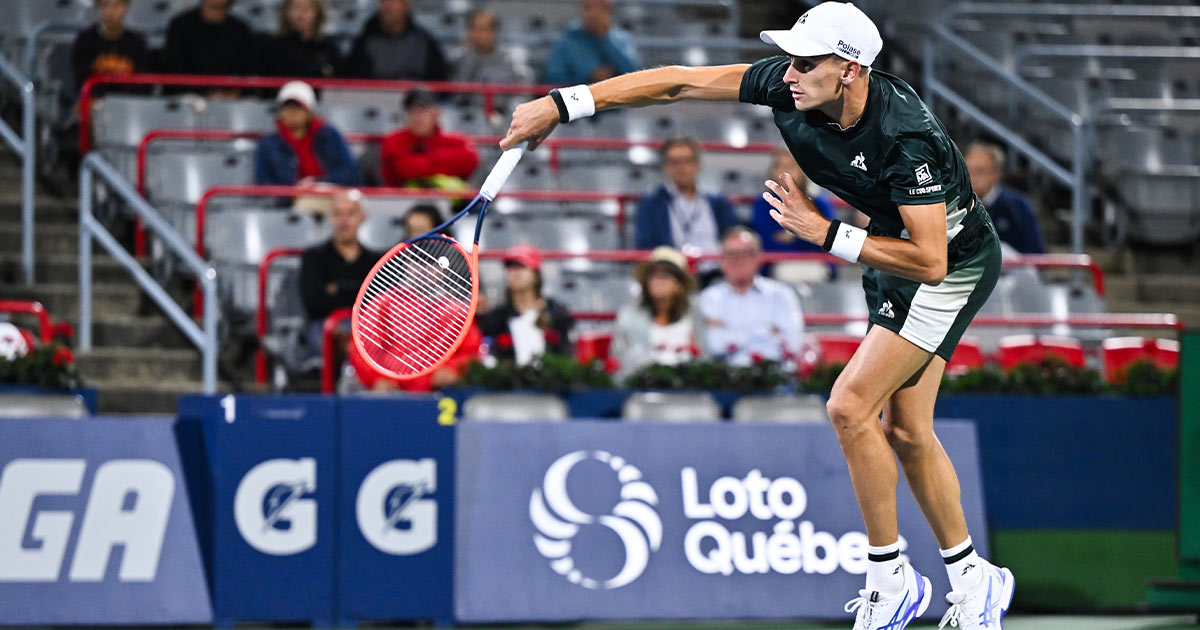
985 605
895 612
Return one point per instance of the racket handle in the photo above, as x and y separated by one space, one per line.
500 172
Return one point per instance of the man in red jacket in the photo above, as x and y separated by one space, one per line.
420 154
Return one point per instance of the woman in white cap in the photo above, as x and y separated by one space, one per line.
304 149
931 258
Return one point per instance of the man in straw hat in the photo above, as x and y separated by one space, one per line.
931 257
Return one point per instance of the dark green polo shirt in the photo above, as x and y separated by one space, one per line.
897 154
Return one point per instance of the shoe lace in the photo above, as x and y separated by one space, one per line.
954 614
855 604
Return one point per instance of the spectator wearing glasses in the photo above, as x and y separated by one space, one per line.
1013 215
527 324
748 316
107 47
208 40
662 325
774 237
678 214
301 49
304 149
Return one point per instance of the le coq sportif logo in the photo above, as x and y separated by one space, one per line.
558 520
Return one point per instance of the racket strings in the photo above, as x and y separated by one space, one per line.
416 306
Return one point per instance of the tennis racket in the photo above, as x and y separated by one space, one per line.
418 302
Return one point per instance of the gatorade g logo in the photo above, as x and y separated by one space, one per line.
558 520
128 506
271 510
394 512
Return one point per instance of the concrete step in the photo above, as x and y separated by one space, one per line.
127 362
1180 289
64 268
142 332
62 300
47 239
141 396
46 209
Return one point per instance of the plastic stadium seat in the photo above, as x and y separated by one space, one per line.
591 346
1120 352
615 178
356 118
671 407
967 356
508 407
245 235
1016 349
42 406
594 287
185 177
808 408
836 348
239 115
123 121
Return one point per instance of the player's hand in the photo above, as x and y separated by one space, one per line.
533 122
795 212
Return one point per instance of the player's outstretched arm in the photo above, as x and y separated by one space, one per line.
534 120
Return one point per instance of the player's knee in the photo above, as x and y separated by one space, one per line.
907 442
846 411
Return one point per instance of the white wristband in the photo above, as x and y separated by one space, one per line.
579 101
848 242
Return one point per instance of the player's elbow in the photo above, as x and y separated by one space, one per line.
933 272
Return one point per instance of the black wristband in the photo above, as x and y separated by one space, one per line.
831 234
563 115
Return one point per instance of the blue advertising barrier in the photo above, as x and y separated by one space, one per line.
270 488
654 521
95 526
396 510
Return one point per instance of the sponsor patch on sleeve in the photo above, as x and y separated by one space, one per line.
924 190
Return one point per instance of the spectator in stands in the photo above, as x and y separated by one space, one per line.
774 237
1016 223
482 61
208 40
662 325
422 218
331 273
677 214
107 47
420 154
592 51
526 324
748 316
303 150
301 49
393 46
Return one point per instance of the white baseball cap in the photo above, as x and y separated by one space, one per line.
298 92
839 28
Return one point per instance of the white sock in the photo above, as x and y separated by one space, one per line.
884 571
963 565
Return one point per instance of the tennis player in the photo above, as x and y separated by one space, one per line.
930 256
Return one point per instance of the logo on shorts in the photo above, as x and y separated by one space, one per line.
886 310
860 162
923 174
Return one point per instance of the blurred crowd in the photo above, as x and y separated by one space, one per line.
726 308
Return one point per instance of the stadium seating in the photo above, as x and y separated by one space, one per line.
836 348
515 408
967 356
1120 352
671 407
1017 349
787 408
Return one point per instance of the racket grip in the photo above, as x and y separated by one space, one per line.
500 172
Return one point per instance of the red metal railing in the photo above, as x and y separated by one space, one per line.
45 327
1114 320
328 347
489 91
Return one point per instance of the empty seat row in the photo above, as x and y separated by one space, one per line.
651 407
